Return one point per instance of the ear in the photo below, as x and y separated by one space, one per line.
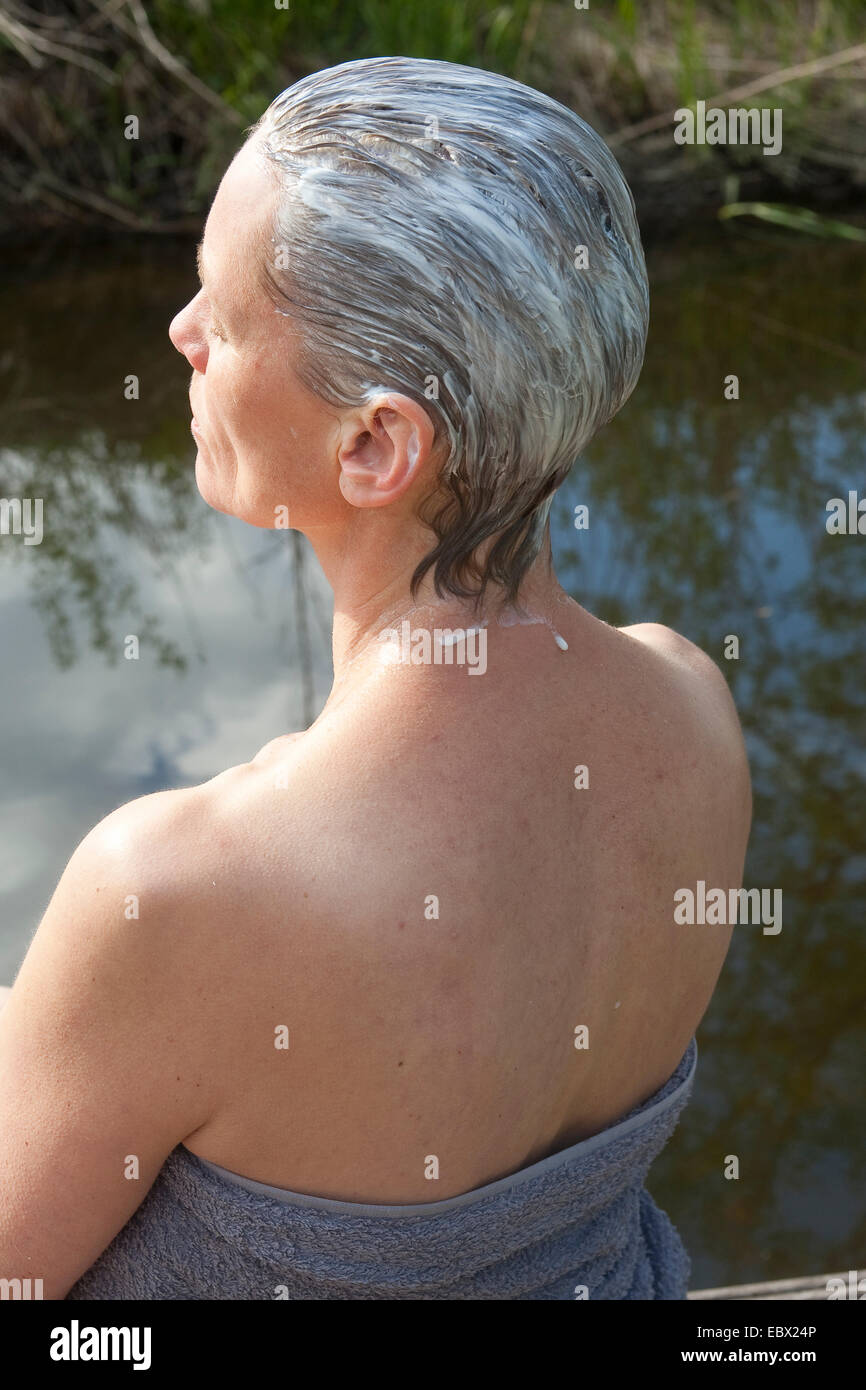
384 447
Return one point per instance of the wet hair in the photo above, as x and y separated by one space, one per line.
461 238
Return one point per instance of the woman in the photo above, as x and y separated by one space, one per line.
400 1008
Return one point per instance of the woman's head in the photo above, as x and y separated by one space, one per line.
456 268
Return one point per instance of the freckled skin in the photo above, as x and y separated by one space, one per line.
555 906
269 894
567 921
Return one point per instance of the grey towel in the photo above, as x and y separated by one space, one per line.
578 1220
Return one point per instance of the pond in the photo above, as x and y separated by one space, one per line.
705 513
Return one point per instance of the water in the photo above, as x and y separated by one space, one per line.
705 514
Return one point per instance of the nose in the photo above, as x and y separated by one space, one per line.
187 334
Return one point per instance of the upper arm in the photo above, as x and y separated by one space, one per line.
101 1070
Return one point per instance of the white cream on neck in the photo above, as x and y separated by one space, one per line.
510 617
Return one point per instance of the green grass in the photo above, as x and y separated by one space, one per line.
662 54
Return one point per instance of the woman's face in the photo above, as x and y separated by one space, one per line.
264 441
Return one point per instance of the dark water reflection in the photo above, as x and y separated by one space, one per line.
705 514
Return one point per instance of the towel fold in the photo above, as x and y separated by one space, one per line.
577 1224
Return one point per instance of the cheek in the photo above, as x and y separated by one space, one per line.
233 402
285 427
280 439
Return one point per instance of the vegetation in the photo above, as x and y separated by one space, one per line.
195 73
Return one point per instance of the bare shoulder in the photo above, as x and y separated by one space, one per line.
675 649
144 838
127 935
124 944
700 683
673 645
118 922
108 1039
180 851
169 841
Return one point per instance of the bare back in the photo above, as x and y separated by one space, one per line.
417 893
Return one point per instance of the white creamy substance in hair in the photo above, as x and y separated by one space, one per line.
431 213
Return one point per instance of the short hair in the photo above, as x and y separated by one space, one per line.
461 238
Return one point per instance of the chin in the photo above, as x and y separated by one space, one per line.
207 483
223 495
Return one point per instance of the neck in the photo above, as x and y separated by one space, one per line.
371 583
